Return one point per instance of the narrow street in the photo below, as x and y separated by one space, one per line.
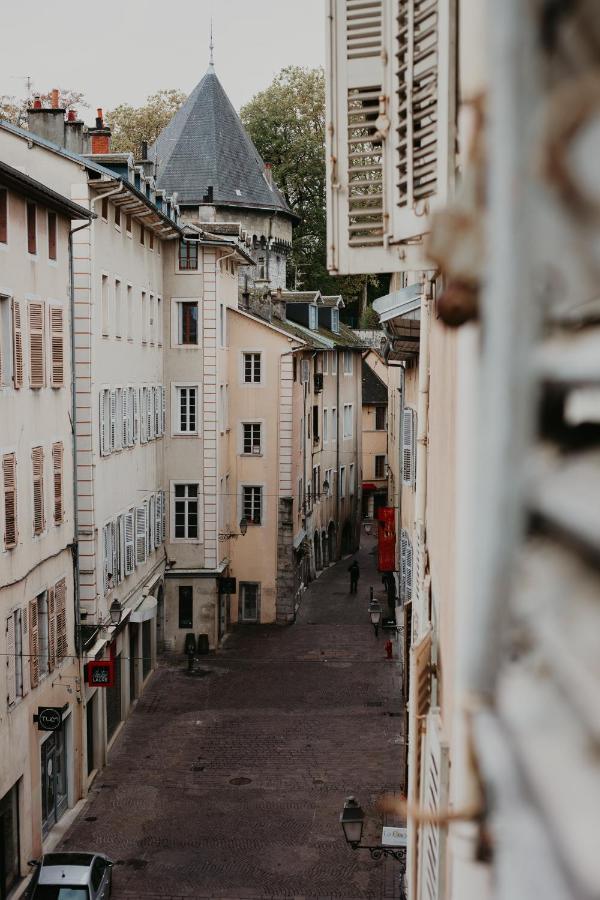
229 784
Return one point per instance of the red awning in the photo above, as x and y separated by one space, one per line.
369 486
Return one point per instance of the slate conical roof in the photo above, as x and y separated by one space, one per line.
205 145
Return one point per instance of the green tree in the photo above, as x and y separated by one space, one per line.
287 124
131 125
14 109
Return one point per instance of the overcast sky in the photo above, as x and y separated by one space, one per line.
119 51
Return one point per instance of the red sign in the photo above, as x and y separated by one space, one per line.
101 673
386 544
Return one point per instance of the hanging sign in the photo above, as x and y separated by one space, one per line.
49 718
386 542
100 673
394 837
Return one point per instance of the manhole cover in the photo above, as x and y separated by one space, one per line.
240 780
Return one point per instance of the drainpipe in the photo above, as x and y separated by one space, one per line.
422 417
337 445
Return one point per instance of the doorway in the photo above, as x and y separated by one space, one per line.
250 601
9 840
54 779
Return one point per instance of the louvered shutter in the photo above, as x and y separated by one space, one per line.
11 661
34 662
113 419
26 667
57 466
158 538
37 457
143 415
125 417
115 545
409 569
403 544
36 345
434 797
9 474
57 377
157 410
151 522
136 415
407 446
60 604
163 394
102 424
51 630
17 344
140 535
163 507
129 542
151 400
106 555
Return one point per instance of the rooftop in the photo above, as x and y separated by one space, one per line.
374 391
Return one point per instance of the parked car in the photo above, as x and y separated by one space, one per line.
71 876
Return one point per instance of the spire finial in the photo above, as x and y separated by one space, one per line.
211 46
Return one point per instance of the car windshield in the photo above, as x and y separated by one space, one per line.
60 892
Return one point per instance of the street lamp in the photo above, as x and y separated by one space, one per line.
227 535
115 612
352 820
375 615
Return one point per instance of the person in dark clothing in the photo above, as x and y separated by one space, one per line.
354 570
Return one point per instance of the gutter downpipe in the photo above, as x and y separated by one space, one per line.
337 452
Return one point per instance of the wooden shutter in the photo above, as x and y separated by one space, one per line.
36 345
34 662
151 523
57 378
140 535
37 457
403 543
17 344
102 425
407 446
434 797
409 569
51 630
150 410
11 661
9 474
60 607
25 667
57 467
129 542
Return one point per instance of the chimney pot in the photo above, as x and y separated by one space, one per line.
72 115
54 94
37 103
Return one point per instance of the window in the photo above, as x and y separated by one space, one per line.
152 320
31 229
36 345
252 368
14 659
105 306
334 425
128 224
300 495
188 255
37 458
347 362
380 418
51 235
105 209
57 474
43 635
252 438
187 323
152 240
351 479
6 343
118 309
9 477
325 426
129 312
118 217
334 362
186 410
326 362
250 601
142 234
3 216
221 325
144 317
57 354
186 511
252 504
380 467
186 606
312 317
105 409
348 420
159 321
315 418
335 320
343 482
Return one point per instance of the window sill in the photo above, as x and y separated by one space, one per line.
184 434
252 456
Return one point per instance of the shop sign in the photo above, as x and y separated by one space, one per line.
386 543
49 718
100 673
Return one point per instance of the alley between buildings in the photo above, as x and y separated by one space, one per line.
229 783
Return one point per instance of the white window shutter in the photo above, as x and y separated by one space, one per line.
143 415
136 414
102 424
163 507
106 556
434 798
408 446
11 665
151 523
60 602
129 543
151 405
164 409
409 569
113 420
140 535
158 538
125 417
403 544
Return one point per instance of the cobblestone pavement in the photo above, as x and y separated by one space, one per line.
230 785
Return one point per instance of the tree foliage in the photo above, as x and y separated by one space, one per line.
131 125
287 124
14 109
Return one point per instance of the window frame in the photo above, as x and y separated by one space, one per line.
242 588
175 500
252 486
176 304
176 387
187 268
31 228
4 217
52 235
252 424
347 435
348 362
253 381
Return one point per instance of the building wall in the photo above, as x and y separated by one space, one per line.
374 443
35 418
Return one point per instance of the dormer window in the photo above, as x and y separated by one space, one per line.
335 320
312 318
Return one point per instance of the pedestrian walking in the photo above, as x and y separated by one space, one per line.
354 570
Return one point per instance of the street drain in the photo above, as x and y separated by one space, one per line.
240 780
91 818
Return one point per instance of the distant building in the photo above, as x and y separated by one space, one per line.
374 434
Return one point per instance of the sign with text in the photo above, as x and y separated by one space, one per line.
101 673
386 539
394 837
49 718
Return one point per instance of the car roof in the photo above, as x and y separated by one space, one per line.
66 868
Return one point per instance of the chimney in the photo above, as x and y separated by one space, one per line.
75 133
47 122
100 135
269 174
278 305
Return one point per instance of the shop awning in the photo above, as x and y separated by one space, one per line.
145 611
369 486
